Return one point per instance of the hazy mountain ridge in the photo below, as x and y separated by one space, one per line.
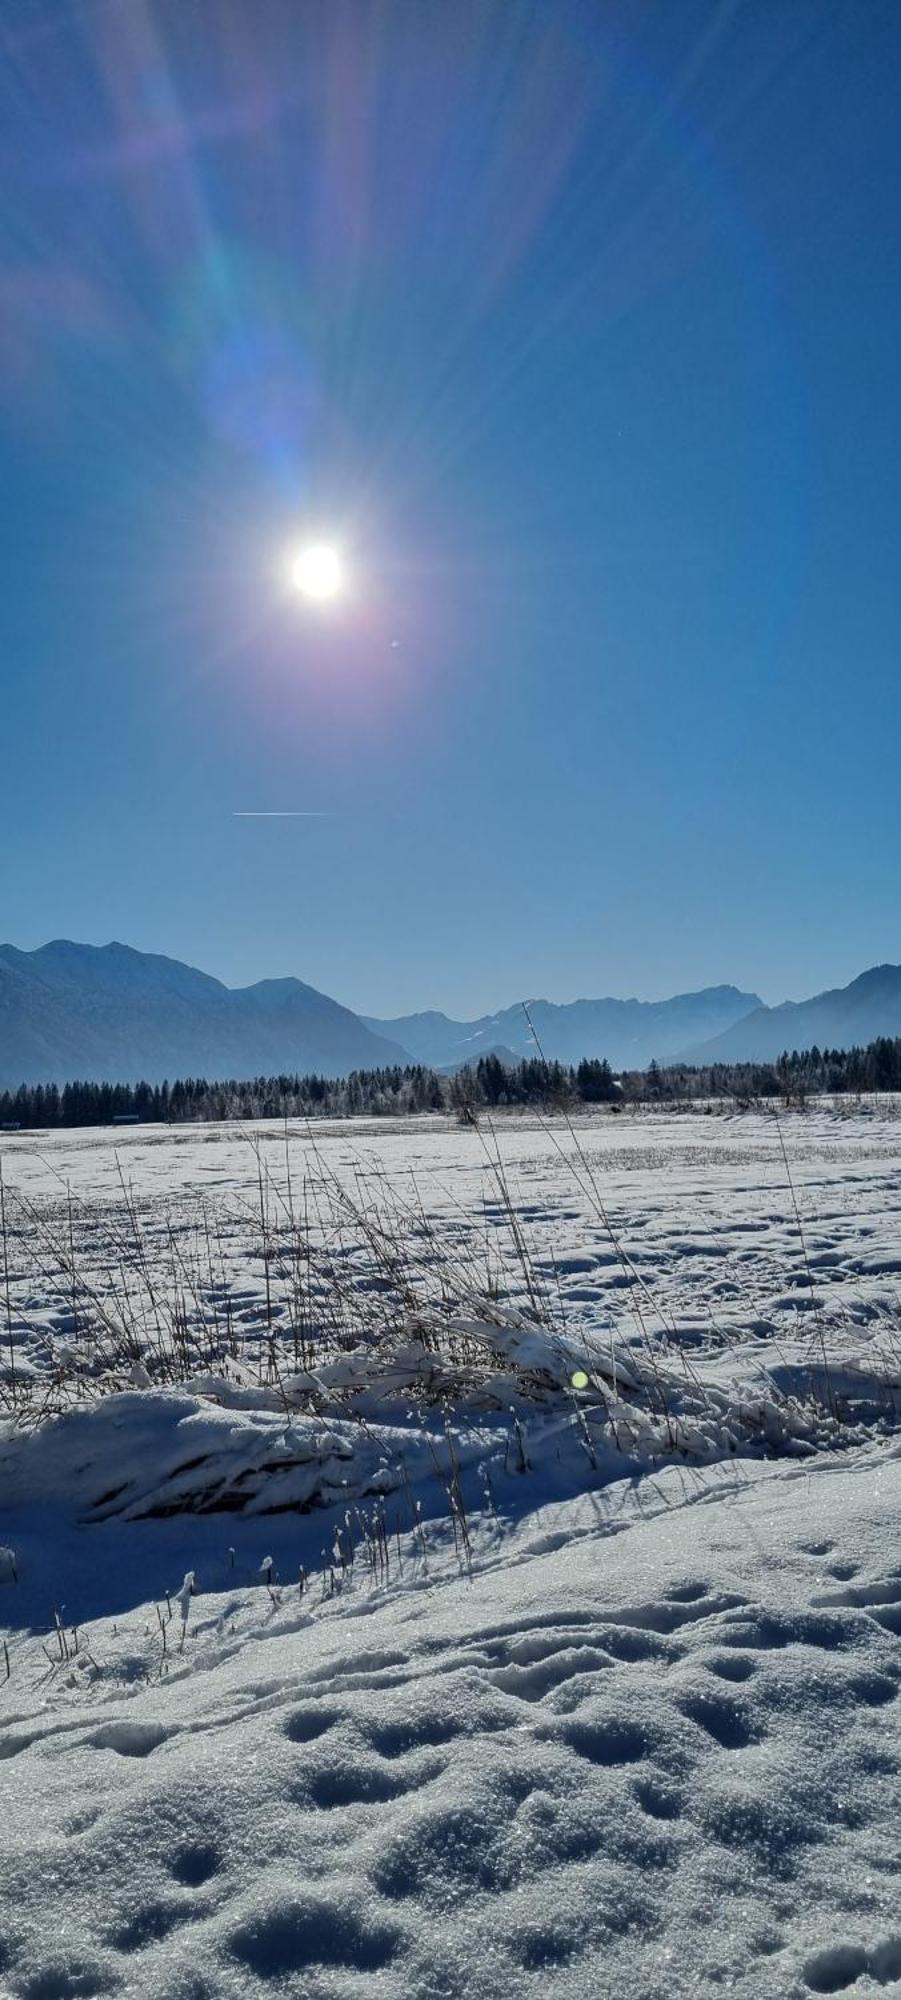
842 1018
628 1032
110 1013
107 1012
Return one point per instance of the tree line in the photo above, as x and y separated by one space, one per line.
491 1083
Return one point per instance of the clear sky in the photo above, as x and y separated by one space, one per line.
576 326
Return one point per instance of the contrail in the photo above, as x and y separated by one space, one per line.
282 815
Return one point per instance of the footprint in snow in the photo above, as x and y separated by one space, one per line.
534 1680
195 1864
307 1723
731 1666
131 1739
75 1979
367 1784
657 1802
276 1942
841 1965
147 1925
881 1601
720 1718
606 1743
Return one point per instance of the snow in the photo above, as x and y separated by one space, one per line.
650 1745
700 1205
338 1684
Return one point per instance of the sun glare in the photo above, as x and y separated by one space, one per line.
317 572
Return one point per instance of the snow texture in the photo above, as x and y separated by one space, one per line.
335 1689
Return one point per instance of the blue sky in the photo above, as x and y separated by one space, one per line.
577 326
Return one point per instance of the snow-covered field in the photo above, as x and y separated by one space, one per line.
537 1508
702 1205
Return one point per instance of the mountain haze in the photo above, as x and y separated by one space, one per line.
108 1013
628 1032
111 1014
846 1017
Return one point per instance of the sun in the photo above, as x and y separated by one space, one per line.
316 571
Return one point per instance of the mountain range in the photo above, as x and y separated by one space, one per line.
628 1032
110 1013
846 1017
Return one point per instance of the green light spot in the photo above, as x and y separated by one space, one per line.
580 1379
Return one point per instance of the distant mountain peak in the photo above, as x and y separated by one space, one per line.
841 1018
110 1013
627 1032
